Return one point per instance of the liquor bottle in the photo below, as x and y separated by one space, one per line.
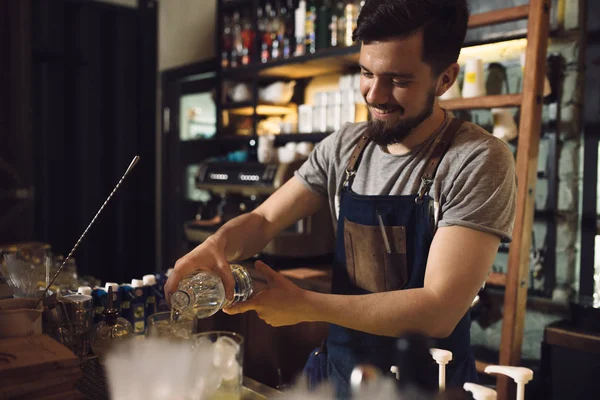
247 35
288 36
262 23
323 25
227 42
111 330
337 15
300 28
237 45
311 27
203 294
351 14
276 39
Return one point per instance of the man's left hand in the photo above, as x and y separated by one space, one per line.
282 303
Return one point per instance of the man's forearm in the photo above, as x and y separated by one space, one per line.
243 236
386 314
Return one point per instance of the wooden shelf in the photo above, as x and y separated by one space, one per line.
264 110
499 16
241 104
233 4
500 101
496 279
299 137
327 61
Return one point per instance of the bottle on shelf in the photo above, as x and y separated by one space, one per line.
311 27
276 37
351 18
237 45
337 14
323 31
287 15
203 294
247 39
227 42
300 28
262 22
111 330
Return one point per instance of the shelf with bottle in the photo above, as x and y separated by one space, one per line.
233 4
317 48
287 31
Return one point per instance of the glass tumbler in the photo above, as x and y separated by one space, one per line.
163 325
226 372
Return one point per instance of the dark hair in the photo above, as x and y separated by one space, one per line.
443 22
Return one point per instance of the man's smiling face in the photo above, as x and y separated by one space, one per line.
398 86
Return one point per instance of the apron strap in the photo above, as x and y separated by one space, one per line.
353 162
436 156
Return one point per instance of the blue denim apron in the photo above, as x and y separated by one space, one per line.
372 215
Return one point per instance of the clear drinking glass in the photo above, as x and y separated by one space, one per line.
168 325
224 382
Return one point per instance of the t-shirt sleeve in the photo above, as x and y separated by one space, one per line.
482 196
313 173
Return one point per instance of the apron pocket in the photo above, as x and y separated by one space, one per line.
368 263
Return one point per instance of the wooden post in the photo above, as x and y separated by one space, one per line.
515 297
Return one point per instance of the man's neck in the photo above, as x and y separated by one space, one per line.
420 134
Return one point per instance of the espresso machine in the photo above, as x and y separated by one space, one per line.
238 188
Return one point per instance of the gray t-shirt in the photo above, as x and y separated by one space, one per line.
475 183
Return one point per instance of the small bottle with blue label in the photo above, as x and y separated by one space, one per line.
116 301
99 297
138 306
126 297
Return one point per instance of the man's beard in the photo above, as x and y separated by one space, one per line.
384 135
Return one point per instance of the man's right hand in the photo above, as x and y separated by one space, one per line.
210 256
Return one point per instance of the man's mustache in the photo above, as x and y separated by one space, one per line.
386 107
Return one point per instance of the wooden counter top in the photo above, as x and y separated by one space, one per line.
314 277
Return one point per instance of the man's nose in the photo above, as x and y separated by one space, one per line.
379 92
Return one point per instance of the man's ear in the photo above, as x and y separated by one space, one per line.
447 79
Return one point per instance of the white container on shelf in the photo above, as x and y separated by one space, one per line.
334 111
320 99
319 119
345 82
305 118
474 82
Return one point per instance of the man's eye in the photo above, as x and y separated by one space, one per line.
367 74
402 83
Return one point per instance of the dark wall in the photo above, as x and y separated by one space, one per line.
16 142
93 91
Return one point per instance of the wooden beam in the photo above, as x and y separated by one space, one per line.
499 16
515 297
483 102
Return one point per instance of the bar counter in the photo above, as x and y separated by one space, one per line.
93 384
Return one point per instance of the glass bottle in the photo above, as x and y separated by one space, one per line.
341 24
311 27
203 294
227 42
237 44
247 35
351 12
111 330
323 29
